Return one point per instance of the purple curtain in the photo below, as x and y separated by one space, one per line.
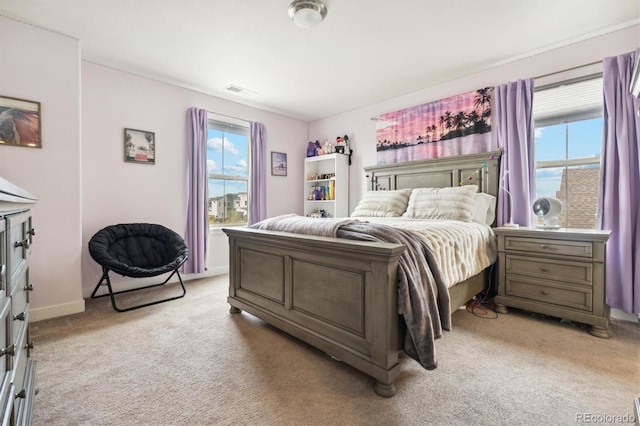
619 198
197 191
259 166
512 123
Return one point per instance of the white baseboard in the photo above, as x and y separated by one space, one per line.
56 311
220 270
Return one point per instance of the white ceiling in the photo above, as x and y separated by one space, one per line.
366 51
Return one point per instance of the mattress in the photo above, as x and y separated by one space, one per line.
462 249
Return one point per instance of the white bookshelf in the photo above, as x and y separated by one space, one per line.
327 177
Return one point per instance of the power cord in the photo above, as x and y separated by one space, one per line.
482 304
482 307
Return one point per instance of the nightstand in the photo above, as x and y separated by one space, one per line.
554 272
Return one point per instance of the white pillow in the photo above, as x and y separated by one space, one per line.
382 203
450 203
484 208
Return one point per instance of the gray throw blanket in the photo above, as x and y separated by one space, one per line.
423 298
323 227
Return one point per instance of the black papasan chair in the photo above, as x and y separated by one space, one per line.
137 250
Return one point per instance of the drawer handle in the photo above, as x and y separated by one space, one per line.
11 350
24 243
21 316
544 292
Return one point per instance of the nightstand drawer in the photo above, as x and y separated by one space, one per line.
550 269
557 295
547 246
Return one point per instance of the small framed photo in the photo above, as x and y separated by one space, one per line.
20 122
139 146
278 163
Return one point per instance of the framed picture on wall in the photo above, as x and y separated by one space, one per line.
20 122
278 163
139 146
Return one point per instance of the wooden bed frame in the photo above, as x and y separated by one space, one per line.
340 295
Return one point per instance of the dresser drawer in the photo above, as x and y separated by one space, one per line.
582 249
3 280
19 238
552 293
6 400
6 339
550 269
20 304
19 332
23 404
3 257
6 361
19 292
20 361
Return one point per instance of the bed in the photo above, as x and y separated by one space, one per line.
341 295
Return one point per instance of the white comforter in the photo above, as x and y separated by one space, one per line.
463 249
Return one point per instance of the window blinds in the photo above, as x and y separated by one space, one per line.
567 102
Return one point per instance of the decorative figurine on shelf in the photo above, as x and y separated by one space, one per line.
318 213
347 150
323 148
342 146
311 149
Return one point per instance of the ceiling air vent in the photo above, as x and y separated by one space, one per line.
237 89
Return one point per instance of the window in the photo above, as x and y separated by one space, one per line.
228 172
568 144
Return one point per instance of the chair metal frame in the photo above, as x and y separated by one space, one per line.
111 293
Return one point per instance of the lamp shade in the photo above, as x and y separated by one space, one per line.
307 13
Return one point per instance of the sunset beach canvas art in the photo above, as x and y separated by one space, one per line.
455 125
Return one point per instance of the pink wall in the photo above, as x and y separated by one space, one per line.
80 176
43 66
119 192
361 129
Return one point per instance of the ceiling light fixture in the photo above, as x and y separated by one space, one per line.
307 13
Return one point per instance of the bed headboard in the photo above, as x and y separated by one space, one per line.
439 173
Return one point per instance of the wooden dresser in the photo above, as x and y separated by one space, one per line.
559 273
17 369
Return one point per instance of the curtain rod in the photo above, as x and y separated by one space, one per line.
229 116
568 69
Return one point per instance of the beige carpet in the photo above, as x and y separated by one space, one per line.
190 362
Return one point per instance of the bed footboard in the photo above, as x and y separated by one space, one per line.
338 295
